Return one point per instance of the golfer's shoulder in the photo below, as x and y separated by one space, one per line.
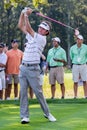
40 38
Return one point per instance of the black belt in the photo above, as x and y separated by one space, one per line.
1 70
54 66
27 65
80 64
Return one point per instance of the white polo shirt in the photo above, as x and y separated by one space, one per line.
34 48
3 60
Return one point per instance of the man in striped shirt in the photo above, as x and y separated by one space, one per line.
30 69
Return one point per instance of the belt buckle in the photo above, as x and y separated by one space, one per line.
26 64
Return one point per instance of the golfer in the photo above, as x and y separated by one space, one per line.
30 69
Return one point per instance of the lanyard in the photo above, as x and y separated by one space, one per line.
79 51
55 51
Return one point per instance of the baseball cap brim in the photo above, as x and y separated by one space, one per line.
2 45
56 39
80 37
44 25
15 41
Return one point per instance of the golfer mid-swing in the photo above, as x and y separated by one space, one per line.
29 69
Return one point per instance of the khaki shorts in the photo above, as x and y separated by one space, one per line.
12 77
79 70
56 74
2 80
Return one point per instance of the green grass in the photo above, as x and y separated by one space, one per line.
71 114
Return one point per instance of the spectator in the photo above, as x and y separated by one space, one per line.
30 70
5 48
56 58
3 60
78 55
14 57
42 68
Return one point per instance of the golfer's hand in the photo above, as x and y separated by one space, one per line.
76 32
27 11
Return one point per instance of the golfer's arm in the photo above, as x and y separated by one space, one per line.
21 23
28 26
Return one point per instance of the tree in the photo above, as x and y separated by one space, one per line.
70 12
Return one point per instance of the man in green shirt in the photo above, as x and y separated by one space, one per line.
78 55
56 59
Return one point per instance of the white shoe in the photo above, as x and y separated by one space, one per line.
50 117
8 98
25 120
16 98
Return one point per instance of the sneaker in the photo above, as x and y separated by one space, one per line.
8 98
50 117
52 97
16 98
62 97
25 120
75 97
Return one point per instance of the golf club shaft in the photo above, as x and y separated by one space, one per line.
53 20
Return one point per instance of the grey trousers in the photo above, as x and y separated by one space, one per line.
30 76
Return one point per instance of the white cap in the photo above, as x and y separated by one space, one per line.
80 37
45 26
57 39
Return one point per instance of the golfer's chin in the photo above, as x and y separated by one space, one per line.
40 33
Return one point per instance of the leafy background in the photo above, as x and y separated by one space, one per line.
70 12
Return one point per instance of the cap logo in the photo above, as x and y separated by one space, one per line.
45 26
57 39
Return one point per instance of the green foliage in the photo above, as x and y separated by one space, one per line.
70 12
14 3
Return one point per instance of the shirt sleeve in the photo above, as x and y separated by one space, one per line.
28 37
4 59
71 53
